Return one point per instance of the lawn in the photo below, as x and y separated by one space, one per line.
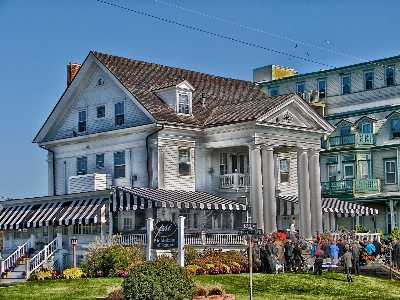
265 286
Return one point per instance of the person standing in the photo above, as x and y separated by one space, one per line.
355 254
334 250
288 254
293 231
378 247
347 261
397 253
341 247
318 260
298 257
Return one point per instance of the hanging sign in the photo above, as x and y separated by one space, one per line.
164 235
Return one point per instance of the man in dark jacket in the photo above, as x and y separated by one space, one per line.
341 247
318 260
355 253
378 247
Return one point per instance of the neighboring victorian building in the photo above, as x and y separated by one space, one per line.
129 140
360 161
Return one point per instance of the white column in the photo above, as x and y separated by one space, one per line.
303 181
268 180
315 192
181 241
161 169
149 227
256 186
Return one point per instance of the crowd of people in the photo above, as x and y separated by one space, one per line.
290 254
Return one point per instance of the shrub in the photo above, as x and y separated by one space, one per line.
73 273
108 257
200 290
159 279
42 275
115 293
395 233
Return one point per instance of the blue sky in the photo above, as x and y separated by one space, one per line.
39 38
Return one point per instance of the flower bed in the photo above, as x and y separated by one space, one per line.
224 297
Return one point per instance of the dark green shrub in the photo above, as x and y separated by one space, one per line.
200 290
159 279
215 290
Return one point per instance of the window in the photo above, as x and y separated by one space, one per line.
101 111
81 165
22 233
321 87
100 161
100 81
366 128
390 171
284 167
86 229
368 80
82 121
119 164
119 114
389 76
273 91
348 170
364 170
184 161
332 172
301 87
346 88
390 221
345 130
128 224
183 103
223 163
395 124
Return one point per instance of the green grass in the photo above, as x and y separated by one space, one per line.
265 286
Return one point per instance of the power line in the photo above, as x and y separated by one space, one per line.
274 35
215 34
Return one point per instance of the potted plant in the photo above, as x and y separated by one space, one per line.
8 271
3 275
12 267
21 260
23 274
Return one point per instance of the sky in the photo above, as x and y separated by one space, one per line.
227 38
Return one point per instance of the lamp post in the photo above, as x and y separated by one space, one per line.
74 242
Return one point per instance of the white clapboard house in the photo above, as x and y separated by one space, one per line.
129 140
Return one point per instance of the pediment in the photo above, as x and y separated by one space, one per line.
343 123
295 114
185 85
393 115
365 119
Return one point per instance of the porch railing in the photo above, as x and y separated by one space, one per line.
234 180
358 140
41 257
355 186
357 236
13 257
193 239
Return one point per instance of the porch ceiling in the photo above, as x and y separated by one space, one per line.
140 198
334 205
53 213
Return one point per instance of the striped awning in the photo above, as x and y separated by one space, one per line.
329 205
141 198
85 211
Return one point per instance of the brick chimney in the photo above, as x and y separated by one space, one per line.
72 70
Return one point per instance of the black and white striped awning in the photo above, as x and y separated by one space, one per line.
85 211
141 198
289 205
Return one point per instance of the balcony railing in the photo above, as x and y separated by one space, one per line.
358 140
235 180
352 186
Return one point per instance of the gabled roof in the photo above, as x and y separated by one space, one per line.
224 96
365 119
344 122
395 115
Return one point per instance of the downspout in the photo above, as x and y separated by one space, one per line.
148 153
54 168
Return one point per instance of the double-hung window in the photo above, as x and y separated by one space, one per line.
81 165
101 111
348 170
82 121
223 163
100 161
119 113
346 84
184 161
366 128
368 80
332 172
321 87
390 171
345 130
119 164
395 127
389 76
301 87
183 103
284 167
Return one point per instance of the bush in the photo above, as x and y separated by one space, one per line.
73 273
115 293
395 233
105 258
159 279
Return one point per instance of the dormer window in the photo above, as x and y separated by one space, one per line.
183 103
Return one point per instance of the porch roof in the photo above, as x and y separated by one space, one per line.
123 198
53 213
329 205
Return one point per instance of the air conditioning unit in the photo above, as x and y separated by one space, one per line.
313 96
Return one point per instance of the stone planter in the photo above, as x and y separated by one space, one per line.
216 297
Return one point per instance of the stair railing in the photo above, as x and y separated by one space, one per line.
20 252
